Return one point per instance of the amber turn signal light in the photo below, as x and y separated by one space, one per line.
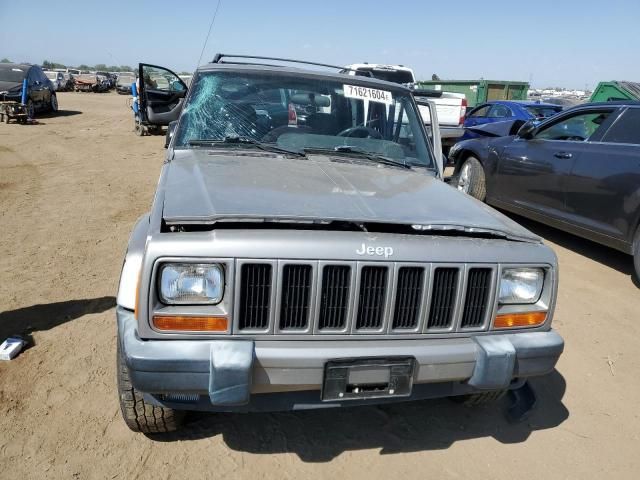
528 319
190 324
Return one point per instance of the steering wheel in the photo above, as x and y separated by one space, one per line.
360 132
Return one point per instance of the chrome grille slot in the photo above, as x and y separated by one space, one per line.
255 296
408 297
443 297
371 298
477 297
334 297
296 293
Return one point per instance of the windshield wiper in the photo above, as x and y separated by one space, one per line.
244 142
360 153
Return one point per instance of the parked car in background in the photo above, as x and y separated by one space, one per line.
57 80
67 78
578 171
508 110
287 267
41 95
123 84
451 107
106 80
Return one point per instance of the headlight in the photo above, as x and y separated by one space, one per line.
521 285
191 283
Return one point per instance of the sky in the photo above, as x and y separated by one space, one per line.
564 43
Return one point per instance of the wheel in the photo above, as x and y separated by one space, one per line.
139 415
471 179
476 399
138 127
636 254
53 106
31 111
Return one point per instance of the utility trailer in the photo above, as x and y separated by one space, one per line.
11 110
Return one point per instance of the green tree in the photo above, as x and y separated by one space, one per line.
5 60
46 64
100 66
125 68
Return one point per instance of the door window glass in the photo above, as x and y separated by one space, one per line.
499 111
160 79
577 128
480 112
625 130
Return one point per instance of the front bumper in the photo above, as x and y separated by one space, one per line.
229 374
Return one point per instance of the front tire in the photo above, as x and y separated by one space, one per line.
53 103
139 415
471 179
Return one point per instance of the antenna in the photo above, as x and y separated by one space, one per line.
213 19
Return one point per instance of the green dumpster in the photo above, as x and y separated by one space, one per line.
480 91
612 91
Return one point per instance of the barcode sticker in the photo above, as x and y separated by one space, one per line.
365 93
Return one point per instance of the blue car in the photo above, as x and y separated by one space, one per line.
507 110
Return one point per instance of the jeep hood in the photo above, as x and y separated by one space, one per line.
204 187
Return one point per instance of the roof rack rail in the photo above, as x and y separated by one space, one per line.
219 56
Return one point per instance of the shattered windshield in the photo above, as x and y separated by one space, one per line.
297 113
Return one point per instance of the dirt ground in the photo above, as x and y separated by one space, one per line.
70 191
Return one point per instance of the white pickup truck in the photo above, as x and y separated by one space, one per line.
451 107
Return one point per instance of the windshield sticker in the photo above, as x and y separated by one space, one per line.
371 94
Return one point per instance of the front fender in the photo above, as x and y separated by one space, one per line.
132 263
472 147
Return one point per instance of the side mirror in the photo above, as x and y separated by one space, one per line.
527 130
171 128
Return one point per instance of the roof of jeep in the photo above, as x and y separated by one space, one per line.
303 72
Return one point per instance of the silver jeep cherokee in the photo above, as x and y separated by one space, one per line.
302 251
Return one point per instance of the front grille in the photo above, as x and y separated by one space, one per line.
373 287
255 296
477 296
443 297
296 293
318 298
408 297
334 297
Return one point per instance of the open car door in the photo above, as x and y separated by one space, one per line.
429 116
161 93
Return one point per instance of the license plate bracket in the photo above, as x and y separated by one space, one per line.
364 378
